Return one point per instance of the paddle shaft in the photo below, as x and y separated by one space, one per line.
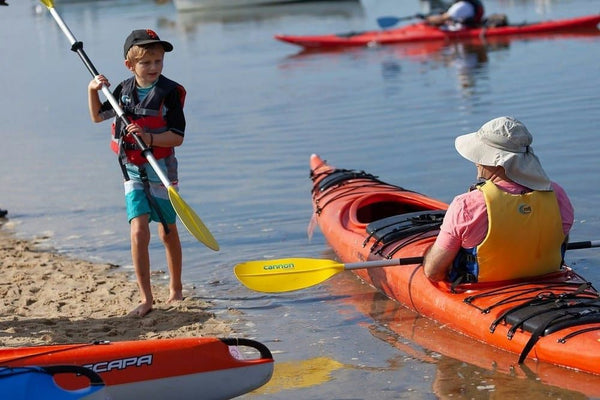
419 260
399 19
388 22
583 245
77 47
384 263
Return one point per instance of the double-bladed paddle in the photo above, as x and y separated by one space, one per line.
289 274
186 214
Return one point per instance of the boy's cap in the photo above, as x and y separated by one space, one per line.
141 37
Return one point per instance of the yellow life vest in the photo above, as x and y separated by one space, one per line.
524 235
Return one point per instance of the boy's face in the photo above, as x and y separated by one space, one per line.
148 68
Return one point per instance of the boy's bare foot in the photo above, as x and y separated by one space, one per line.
141 310
175 296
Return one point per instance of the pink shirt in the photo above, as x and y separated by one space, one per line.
466 223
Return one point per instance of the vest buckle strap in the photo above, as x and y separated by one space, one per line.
129 146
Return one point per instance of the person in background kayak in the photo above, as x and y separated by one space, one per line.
513 224
461 14
154 105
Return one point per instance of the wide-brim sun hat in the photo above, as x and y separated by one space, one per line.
140 37
505 142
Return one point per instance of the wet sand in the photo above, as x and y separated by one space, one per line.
49 298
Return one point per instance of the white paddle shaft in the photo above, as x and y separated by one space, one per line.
113 102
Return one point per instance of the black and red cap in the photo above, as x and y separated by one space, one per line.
140 37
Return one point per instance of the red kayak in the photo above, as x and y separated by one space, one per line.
421 32
554 318
182 368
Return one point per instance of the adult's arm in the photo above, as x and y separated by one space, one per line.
437 262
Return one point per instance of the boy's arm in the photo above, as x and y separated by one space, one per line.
167 139
94 103
163 139
175 120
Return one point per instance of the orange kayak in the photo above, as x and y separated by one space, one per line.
182 368
459 360
553 318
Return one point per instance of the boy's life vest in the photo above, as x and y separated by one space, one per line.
148 113
477 19
524 238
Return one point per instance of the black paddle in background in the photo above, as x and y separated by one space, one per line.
389 21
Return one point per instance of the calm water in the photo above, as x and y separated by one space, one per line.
256 110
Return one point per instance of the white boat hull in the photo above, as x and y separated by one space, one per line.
188 5
216 385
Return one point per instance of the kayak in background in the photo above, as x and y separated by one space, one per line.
422 32
181 368
554 318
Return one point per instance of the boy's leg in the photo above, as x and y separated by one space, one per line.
174 260
140 239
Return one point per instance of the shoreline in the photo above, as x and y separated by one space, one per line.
50 298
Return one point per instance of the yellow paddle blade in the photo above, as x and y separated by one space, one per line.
285 275
48 3
191 220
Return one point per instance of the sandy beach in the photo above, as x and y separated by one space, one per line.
49 298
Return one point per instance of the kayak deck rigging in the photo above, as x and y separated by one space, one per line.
544 309
365 219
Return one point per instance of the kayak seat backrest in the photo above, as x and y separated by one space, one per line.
397 227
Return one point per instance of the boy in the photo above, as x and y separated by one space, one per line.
154 106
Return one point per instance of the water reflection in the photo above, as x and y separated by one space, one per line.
299 374
465 367
469 59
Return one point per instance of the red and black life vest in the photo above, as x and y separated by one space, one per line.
149 113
